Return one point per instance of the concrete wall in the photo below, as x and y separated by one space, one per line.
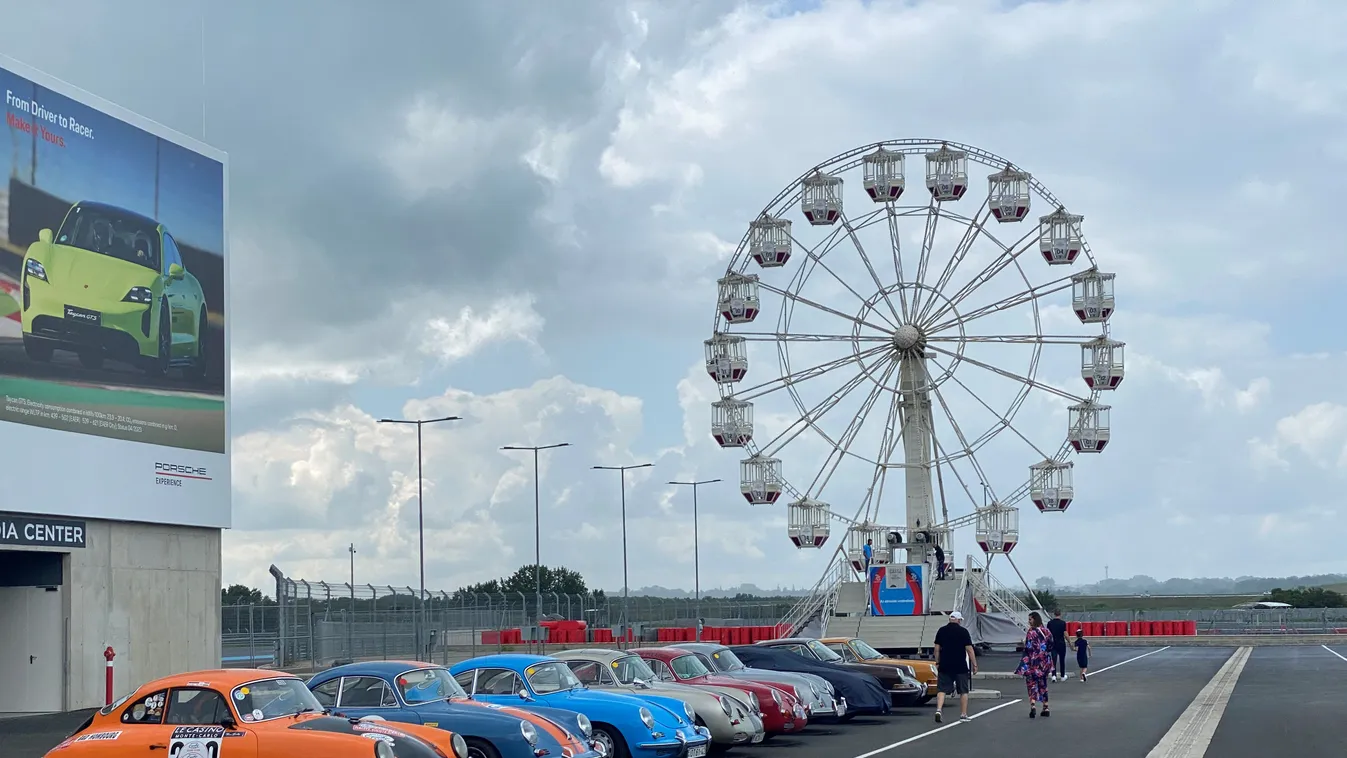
151 592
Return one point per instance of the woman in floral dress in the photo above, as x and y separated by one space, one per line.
1036 664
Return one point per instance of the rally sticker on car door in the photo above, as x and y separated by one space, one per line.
195 742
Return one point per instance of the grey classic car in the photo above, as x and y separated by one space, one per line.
725 712
815 691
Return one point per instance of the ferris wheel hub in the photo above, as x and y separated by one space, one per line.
907 337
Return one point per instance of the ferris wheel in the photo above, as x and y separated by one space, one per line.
912 337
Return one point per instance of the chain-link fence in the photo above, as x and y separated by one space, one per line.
319 623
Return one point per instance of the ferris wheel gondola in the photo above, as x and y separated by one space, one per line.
906 331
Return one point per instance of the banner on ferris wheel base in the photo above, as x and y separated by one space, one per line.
898 592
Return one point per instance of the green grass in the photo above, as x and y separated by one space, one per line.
81 396
1340 587
8 305
1172 603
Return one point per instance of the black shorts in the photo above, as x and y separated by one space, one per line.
956 684
1082 661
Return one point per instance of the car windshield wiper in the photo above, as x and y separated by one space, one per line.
302 711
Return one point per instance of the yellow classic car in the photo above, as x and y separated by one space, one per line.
856 649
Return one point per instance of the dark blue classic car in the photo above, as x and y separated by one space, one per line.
421 693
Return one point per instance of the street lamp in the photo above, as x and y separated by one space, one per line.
420 516
696 558
350 626
626 619
537 529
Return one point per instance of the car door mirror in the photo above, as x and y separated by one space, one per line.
175 271
525 696
44 235
228 723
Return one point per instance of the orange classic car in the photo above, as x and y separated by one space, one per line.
856 649
243 713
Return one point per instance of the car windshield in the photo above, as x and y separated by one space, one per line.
111 232
863 650
274 698
822 652
728 661
688 667
551 677
424 685
629 668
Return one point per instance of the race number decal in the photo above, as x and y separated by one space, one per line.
195 742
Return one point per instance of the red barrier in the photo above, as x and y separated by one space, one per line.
1190 628
109 654
1071 627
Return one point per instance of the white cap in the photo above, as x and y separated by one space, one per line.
956 616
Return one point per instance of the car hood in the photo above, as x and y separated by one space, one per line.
860 689
76 269
695 695
408 745
578 699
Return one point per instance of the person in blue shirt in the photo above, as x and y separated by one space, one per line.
1082 653
869 551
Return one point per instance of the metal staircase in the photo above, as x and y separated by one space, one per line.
816 608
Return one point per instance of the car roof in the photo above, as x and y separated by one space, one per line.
601 653
701 647
387 669
661 652
791 640
505 660
93 205
216 678
836 639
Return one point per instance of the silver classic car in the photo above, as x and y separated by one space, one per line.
725 712
814 691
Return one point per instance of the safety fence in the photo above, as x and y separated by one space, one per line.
320 623
1233 621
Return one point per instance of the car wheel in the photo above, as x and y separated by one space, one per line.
37 349
611 739
158 365
481 749
197 371
91 359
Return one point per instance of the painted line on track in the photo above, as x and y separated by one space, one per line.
1191 735
1334 652
1093 674
936 730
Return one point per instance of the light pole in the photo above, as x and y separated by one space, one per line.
696 557
537 519
350 626
420 517
626 619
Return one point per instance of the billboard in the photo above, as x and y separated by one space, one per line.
114 351
898 590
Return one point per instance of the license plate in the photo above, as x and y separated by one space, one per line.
82 316
758 737
842 708
697 751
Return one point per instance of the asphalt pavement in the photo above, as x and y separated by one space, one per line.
1285 699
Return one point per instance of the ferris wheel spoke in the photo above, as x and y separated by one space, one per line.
1018 339
888 445
1007 374
1005 422
790 337
896 242
949 460
1018 299
924 260
874 275
842 446
970 236
797 377
958 431
817 260
774 446
820 307
1009 254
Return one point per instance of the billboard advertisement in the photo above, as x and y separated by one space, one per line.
114 357
898 590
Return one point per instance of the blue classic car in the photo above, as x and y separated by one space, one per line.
421 693
628 726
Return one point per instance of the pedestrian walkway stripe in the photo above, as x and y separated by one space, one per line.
924 735
1190 736
1334 652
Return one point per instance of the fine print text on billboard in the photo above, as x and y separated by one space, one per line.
112 303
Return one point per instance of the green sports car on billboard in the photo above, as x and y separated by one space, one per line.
111 285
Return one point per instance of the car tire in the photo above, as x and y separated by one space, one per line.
197 371
158 365
612 739
37 350
91 359
478 748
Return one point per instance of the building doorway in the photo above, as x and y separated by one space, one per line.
32 632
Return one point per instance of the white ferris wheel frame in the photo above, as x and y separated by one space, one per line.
929 299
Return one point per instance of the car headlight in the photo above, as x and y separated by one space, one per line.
530 733
647 718
460 746
798 695
141 295
585 725
36 270
725 705
776 698
384 750
690 711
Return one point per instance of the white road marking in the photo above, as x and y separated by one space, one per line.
1190 736
924 735
1334 652
1093 674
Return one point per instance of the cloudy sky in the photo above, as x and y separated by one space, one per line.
516 212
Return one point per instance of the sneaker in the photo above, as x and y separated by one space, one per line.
939 718
965 717
1054 677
